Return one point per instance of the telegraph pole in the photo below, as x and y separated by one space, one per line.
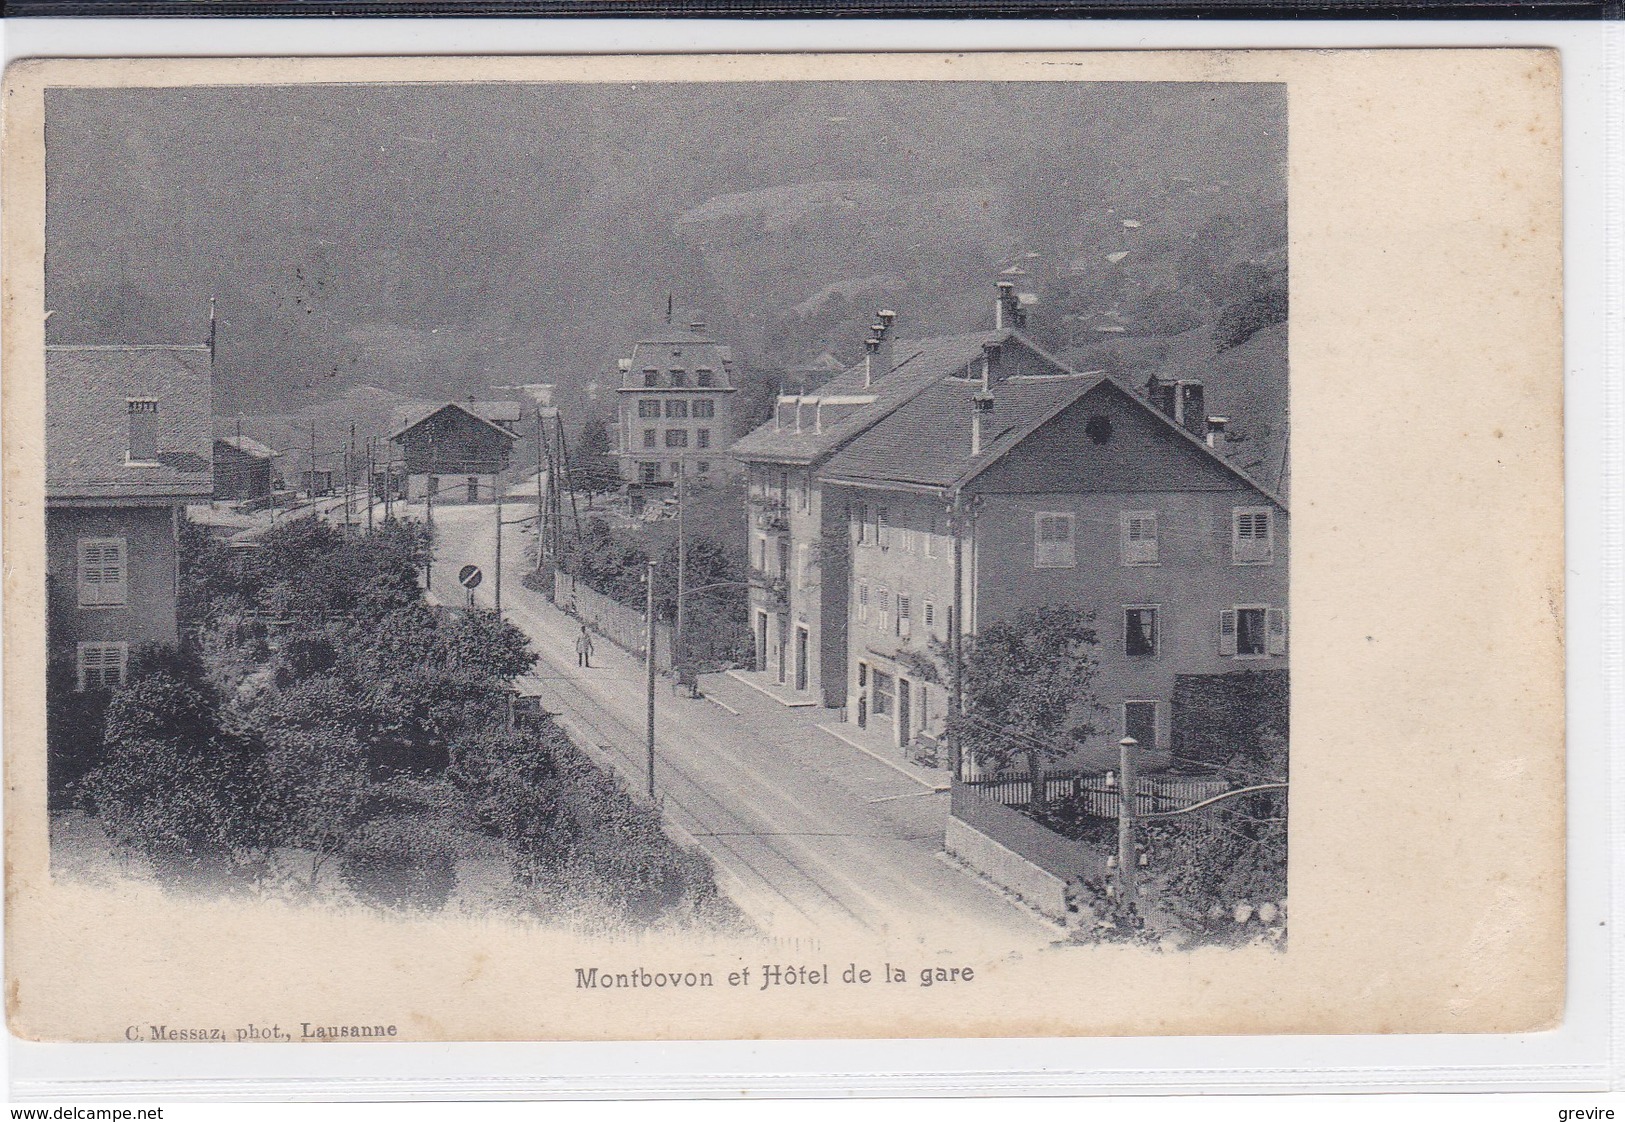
349 479
682 564
369 483
496 591
541 515
1128 806
428 492
649 662
312 495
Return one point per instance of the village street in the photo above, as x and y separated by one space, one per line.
812 838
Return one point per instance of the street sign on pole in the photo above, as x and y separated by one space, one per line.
469 576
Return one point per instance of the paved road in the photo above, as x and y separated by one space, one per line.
812 837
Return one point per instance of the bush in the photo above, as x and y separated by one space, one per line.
401 862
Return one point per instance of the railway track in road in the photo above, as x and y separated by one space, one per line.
691 801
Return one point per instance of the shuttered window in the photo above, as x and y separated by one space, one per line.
102 665
884 603
1053 546
1275 627
1139 532
928 612
905 616
863 603
1140 631
882 527
103 572
1252 535
1252 631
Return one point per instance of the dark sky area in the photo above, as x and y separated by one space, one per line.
439 239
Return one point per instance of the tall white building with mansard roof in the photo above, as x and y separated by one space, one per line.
675 411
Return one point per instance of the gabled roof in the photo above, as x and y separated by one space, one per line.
918 364
470 409
927 442
87 419
248 446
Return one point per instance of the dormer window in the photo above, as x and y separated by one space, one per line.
143 414
679 377
651 376
702 377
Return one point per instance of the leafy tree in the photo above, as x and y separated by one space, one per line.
1028 687
1231 856
168 783
594 457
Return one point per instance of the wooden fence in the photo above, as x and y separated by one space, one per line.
614 621
1096 798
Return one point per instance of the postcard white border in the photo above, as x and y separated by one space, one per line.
1581 1055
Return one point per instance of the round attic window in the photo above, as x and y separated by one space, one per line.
1099 429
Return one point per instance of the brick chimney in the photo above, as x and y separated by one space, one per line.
1003 306
992 364
884 356
1215 432
981 407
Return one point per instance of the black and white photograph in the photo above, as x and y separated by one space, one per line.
645 549
781 508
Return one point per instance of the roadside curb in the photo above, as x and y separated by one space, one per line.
899 768
741 676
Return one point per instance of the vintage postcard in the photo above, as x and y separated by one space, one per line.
668 547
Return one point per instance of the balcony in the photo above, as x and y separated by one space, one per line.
773 517
775 588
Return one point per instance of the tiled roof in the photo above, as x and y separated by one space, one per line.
472 408
87 418
927 441
248 446
918 364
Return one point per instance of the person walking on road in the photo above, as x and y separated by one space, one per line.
584 648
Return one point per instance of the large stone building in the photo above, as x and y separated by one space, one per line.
127 448
676 410
799 547
985 495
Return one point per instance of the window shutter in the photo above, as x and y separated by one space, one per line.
1276 631
102 581
1139 537
1052 541
1252 538
1227 632
101 665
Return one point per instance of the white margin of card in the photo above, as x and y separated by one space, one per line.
1584 1054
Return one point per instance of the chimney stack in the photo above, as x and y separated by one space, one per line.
992 364
1215 432
1004 309
697 326
871 345
884 358
981 406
